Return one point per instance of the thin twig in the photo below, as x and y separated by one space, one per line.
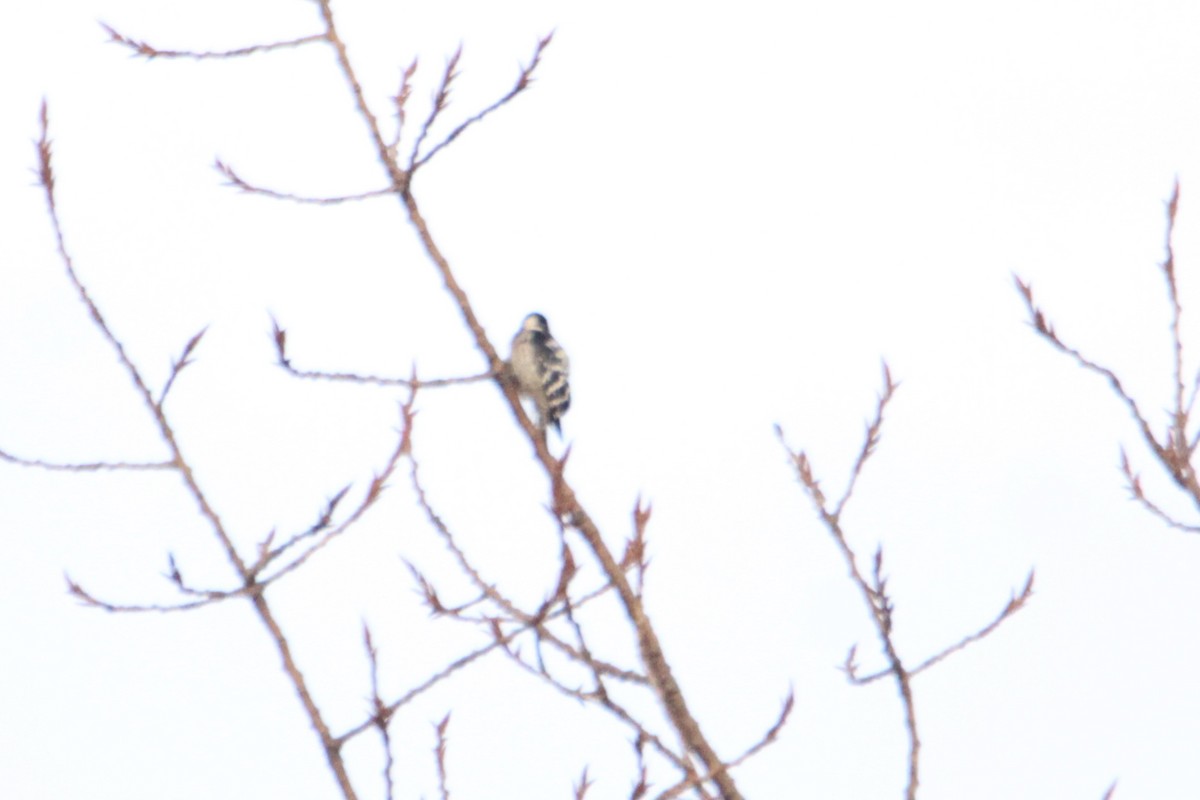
1046 331
400 100
177 366
441 99
148 50
874 432
382 715
376 380
569 507
874 589
610 705
1133 482
649 647
89 599
581 788
267 554
1168 268
235 180
535 621
373 493
92 466
1015 604
440 753
1176 449
770 736
523 82
167 434
279 336
418 690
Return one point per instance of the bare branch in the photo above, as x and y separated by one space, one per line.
237 181
178 365
400 100
874 432
440 752
148 50
93 466
267 554
372 495
569 507
582 787
1133 482
431 599
381 714
635 547
280 338
441 99
376 380
418 690
565 500
1168 268
46 174
523 82
607 702
1038 320
1176 449
398 176
770 736
251 588
534 621
1015 604
874 590
88 599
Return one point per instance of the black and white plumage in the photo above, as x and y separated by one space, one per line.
540 367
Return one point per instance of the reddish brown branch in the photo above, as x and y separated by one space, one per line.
564 497
1175 450
267 553
441 99
873 589
534 621
178 365
1015 604
643 735
440 753
89 599
400 100
768 738
418 690
372 495
237 181
167 434
1043 327
582 787
1133 482
148 50
91 466
874 432
280 338
377 380
523 82
381 714
649 647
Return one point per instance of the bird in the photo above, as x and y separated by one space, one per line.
540 367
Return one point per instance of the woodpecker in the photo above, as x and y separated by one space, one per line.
540 367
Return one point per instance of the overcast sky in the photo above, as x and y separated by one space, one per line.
730 217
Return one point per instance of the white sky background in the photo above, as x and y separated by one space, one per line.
729 217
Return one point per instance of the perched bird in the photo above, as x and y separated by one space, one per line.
540 367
